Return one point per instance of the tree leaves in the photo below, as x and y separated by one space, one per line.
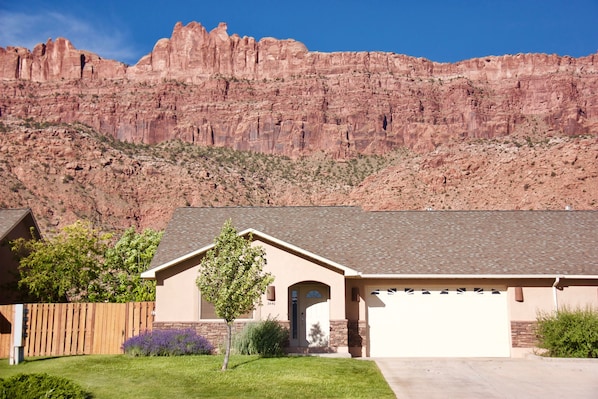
78 264
120 279
62 267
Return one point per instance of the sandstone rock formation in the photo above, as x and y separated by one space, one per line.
57 60
276 97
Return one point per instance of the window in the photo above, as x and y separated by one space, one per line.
391 291
207 311
313 294
294 314
409 291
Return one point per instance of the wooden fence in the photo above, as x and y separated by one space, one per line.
62 329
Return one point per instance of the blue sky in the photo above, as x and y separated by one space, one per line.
440 30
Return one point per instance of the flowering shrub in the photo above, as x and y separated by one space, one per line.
167 343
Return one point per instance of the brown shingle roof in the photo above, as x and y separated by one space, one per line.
9 218
408 242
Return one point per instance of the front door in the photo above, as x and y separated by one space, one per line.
309 315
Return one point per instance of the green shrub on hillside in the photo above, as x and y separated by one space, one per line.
569 333
34 386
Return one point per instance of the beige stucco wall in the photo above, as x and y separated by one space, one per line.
289 269
177 296
541 299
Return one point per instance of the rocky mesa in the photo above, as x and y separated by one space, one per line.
276 97
82 137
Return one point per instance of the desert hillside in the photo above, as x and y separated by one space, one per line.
67 172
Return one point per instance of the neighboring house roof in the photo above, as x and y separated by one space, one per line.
405 243
10 218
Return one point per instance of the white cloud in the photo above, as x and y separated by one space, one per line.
27 30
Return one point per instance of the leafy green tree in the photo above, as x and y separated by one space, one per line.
231 277
120 279
62 267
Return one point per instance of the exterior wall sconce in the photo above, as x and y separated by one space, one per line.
519 294
355 294
271 293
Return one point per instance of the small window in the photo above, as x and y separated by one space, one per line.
425 292
478 290
444 291
208 311
495 291
391 291
461 291
375 292
313 294
409 291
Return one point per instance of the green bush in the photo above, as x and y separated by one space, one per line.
34 386
265 338
569 333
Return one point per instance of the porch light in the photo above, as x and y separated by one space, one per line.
271 293
519 294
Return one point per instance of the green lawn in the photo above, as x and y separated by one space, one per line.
125 377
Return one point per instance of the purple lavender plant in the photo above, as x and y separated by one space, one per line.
167 343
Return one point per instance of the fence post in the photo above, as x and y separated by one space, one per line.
19 328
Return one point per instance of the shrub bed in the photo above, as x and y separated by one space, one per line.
42 385
167 343
569 333
265 338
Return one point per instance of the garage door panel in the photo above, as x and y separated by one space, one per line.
451 322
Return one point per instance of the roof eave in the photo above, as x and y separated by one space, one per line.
476 276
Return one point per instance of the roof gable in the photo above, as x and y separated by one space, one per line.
10 218
151 273
406 242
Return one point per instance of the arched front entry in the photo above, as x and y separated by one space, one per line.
309 315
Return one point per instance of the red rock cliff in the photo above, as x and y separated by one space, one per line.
275 96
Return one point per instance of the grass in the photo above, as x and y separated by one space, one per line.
122 376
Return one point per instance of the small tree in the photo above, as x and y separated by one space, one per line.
120 278
231 277
64 266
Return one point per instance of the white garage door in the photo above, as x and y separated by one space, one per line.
438 322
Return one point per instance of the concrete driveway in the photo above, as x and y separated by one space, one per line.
532 377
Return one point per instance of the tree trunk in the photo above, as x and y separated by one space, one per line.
229 337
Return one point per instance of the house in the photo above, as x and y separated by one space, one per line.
391 283
14 224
